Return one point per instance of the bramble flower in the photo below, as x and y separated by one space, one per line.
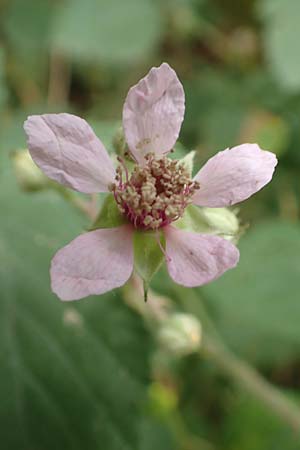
147 200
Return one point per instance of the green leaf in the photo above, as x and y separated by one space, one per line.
280 34
148 255
155 436
26 27
27 24
245 413
3 88
217 106
79 369
268 130
110 31
257 304
110 215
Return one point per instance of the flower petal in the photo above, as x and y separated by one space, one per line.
233 175
194 259
68 151
93 263
153 113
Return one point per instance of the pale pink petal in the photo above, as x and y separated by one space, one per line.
234 175
67 150
194 259
93 263
153 113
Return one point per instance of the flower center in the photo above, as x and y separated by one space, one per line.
155 194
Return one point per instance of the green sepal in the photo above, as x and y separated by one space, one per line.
145 287
178 152
148 255
219 221
110 215
188 161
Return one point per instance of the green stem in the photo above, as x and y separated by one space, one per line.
249 379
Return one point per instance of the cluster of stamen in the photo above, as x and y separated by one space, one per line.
155 194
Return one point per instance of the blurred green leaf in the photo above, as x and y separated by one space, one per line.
215 108
271 132
12 137
27 24
257 304
73 375
3 88
281 33
105 130
153 436
107 31
26 27
267 432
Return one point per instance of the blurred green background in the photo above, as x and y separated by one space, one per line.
90 374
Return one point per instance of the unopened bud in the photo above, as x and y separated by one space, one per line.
180 334
223 221
29 176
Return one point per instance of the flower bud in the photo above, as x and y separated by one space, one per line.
223 220
180 334
29 176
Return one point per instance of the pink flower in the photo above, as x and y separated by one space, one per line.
152 197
